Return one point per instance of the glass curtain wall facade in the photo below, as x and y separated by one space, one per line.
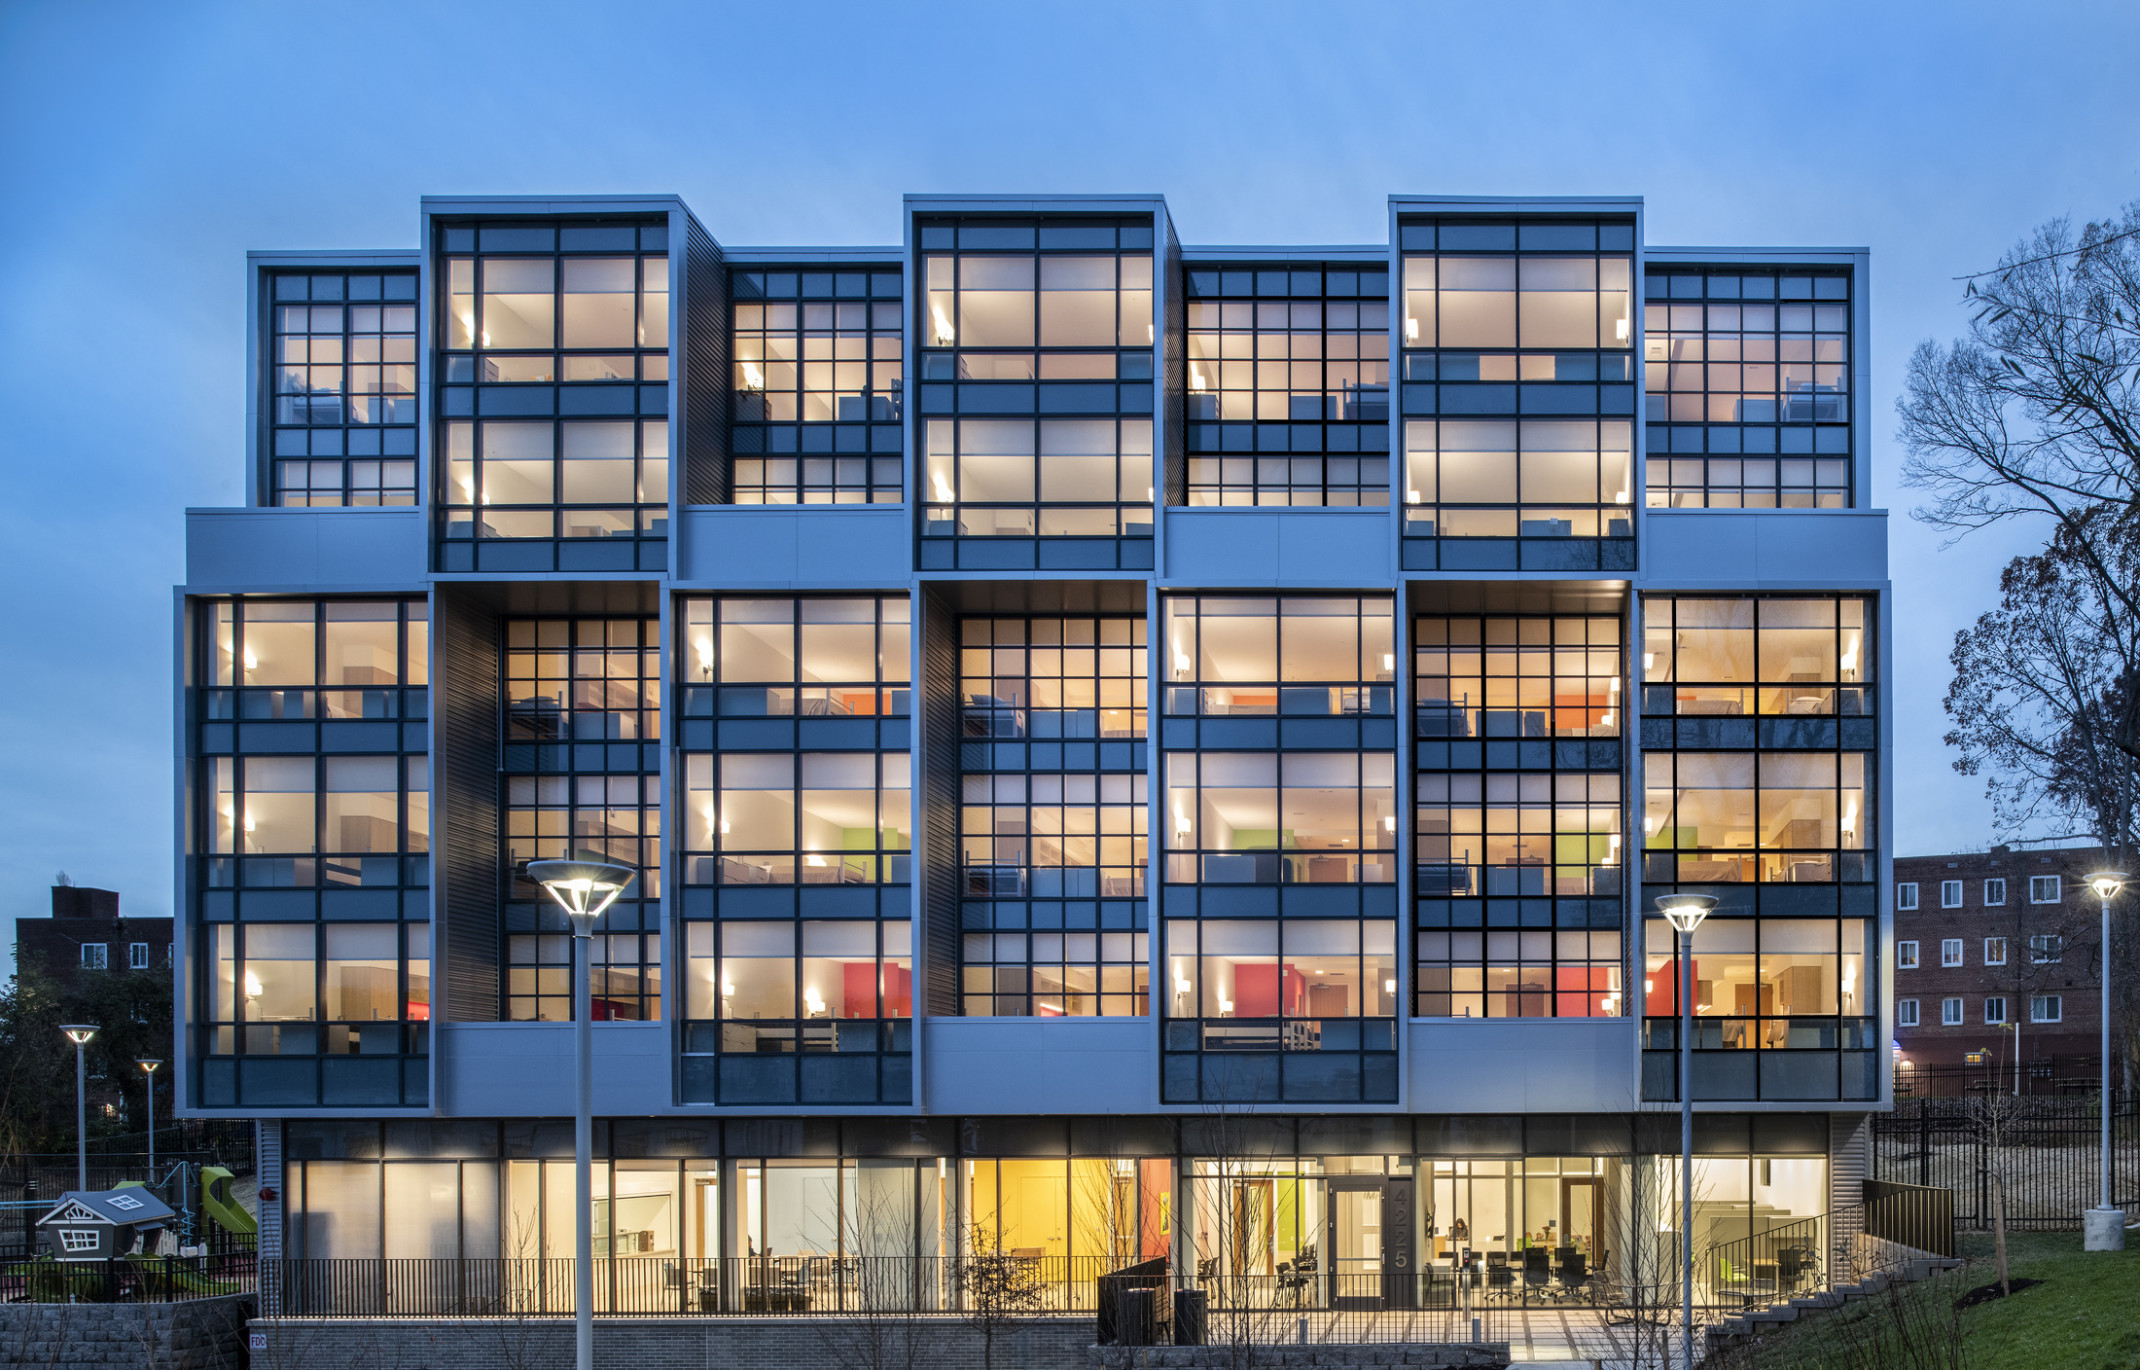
797 849
819 357
582 781
1746 380
1053 844
552 384
342 372
1518 395
1036 342
310 851
1518 872
1281 838
1759 764
1288 384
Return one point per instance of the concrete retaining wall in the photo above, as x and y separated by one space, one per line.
201 1334
666 1344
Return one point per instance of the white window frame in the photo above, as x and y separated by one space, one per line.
77 1239
1905 956
137 956
2047 1008
1905 1013
1906 897
1995 893
2046 949
1950 894
2044 889
1950 1011
1995 1010
1995 951
96 956
1950 951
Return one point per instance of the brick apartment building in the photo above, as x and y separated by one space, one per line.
1986 941
85 932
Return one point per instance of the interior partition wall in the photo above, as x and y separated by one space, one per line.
311 855
1518 394
1279 808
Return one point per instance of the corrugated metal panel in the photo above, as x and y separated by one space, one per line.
465 695
267 1154
938 780
1174 414
705 342
1849 1167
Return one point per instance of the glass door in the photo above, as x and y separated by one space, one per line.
1356 1243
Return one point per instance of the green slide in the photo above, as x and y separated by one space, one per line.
227 1212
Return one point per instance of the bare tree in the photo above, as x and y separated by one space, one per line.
2032 414
998 1290
884 1330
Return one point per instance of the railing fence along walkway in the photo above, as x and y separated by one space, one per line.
2050 1156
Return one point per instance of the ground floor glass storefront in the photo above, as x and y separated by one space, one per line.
1253 1226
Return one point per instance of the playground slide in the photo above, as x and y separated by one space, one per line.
226 1211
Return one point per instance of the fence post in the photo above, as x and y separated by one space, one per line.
1924 1144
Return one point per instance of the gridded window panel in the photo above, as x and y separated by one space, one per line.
1053 814
1516 386
1791 817
1715 657
342 376
1764 983
1511 973
1747 381
553 381
1055 974
815 1011
1256 657
817 357
1517 678
1511 822
1023 320
1288 384
303 819
582 703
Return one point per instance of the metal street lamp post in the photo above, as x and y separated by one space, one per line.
79 1034
2104 1227
1685 912
148 1066
585 890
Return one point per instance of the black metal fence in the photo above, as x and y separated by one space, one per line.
2048 1152
136 1279
2047 1076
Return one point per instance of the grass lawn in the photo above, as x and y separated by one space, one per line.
2084 1316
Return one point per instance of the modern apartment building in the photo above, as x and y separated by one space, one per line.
1131 750
1998 951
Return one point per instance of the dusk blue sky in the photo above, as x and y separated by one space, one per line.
148 147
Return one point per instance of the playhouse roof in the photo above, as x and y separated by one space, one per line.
130 1206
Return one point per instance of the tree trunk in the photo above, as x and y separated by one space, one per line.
1998 1227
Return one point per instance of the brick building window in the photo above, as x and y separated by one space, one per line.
2043 889
2046 949
1906 897
1994 893
137 956
2046 1008
95 955
1950 952
1950 1012
1994 1010
1906 1013
1905 956
1950 894
1995 951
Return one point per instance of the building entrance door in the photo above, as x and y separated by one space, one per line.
1356 1243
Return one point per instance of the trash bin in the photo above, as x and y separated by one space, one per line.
1189 1317
1136 1317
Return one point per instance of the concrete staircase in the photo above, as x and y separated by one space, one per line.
1754 1322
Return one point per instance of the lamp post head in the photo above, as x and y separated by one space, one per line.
1685 912
583 889
2106 884
79 1033
149 1063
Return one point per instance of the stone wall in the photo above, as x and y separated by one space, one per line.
1396 1355
731 1343
201 1334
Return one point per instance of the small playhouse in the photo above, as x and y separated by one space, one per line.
103 1224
